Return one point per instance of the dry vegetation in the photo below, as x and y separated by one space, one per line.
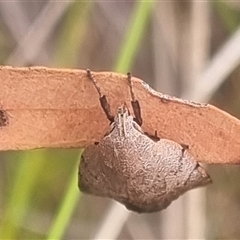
60 108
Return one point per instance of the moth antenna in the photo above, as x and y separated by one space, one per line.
102 98
134 102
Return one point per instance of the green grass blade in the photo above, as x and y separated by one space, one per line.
66 208
19 201
230 16
74 30
134 34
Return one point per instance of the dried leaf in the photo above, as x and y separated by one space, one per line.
43 107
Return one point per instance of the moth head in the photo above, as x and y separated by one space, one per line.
123 111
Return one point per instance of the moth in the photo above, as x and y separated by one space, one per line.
143 172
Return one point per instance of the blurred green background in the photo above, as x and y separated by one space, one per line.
174 46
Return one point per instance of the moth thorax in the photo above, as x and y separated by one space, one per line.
122 120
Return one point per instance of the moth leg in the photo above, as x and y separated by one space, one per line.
184 147
154 137
102 98
134 102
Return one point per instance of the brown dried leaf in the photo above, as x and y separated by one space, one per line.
43 107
